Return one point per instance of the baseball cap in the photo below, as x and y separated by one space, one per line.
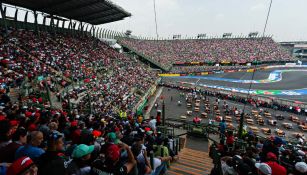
301 167
112 136
278 140
96 133
264 168
20 165
32 127
53 136
14 123
271 156
82 150
301 153
74 123
149 132
113 152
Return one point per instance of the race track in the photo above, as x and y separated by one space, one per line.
291 85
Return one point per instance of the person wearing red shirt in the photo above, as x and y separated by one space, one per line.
276 168
230 139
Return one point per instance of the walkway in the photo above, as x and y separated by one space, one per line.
191 162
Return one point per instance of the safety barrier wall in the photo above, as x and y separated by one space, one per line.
143 101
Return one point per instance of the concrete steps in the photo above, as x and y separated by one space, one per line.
191 162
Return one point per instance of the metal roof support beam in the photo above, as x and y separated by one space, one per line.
86 28
107 33
110 34
113 34
97 30
36 24
98 33
63 26
26 20
57 25
80 28
15 18
3 15
74 28
103 34
44 23
93 31
70 26
52 24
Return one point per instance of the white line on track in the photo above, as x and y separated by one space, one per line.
197 81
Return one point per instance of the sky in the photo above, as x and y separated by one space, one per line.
287 22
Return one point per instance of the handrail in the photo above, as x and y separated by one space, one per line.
213 128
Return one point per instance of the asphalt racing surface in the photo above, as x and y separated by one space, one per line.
290 81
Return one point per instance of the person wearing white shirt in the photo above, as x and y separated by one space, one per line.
152 123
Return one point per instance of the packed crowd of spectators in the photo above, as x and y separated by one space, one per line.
62 60
44 140
49 141
240 50
195 69
268 156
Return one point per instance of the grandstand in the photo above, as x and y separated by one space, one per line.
229 51
71 104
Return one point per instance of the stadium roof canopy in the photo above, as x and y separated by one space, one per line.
90 11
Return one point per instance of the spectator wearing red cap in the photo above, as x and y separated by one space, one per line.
96 133
32 149
28 114
113 163
32 127
276 168
2 117
22 166
19 138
